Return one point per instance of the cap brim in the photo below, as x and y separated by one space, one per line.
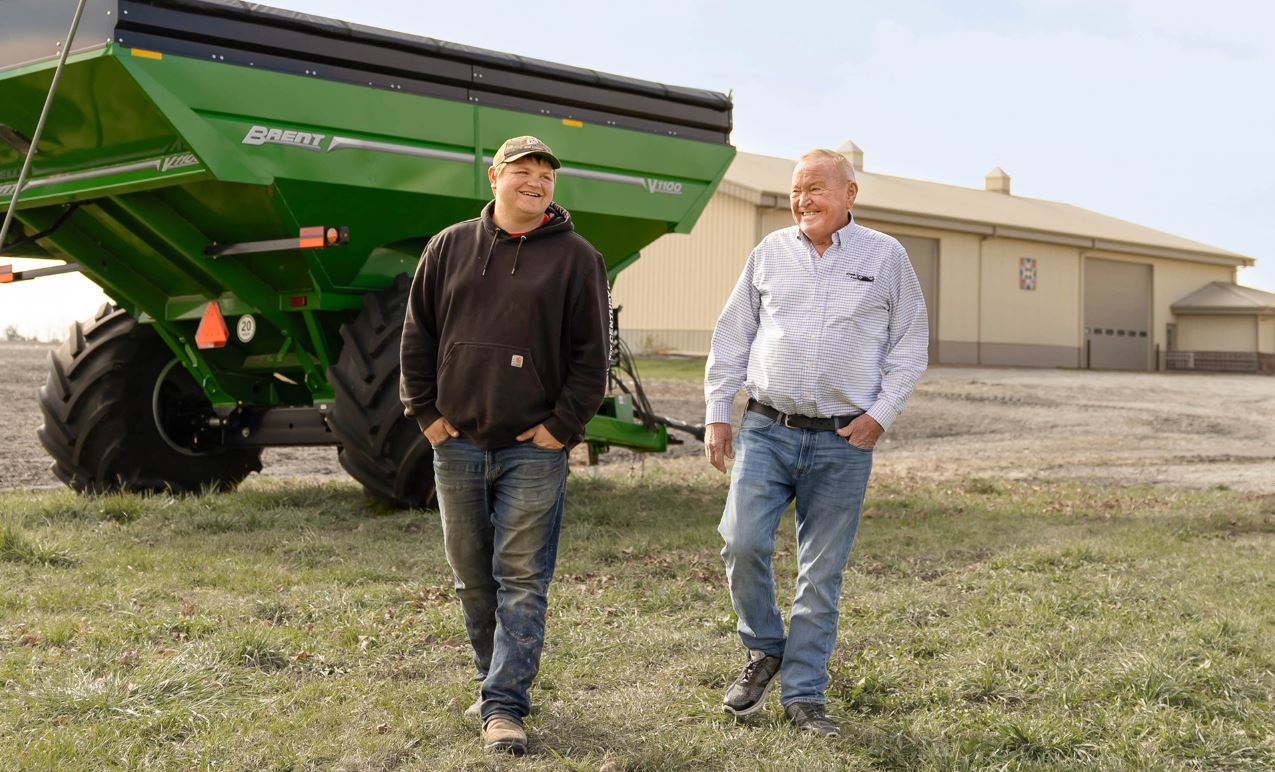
550 157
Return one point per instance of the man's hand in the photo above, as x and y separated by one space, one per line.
540 437
440 431
863 432
717 445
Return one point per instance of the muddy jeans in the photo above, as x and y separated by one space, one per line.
501 511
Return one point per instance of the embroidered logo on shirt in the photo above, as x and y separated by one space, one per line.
515 360
860 277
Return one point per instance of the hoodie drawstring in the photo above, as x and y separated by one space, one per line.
521 240
495 236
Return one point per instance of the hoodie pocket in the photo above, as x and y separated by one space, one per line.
488 387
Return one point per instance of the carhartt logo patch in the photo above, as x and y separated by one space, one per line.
515 360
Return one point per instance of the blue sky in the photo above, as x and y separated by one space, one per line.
1155 112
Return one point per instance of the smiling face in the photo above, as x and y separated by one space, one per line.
523 189
821 198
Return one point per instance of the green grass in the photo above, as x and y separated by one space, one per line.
674 368
984 625
18 548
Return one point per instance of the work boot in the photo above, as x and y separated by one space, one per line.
475 710
746 695
809 717
502 734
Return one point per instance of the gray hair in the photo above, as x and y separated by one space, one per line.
841 162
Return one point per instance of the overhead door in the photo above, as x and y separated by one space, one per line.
1117 315
925 261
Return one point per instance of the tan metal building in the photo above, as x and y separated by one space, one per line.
1008 280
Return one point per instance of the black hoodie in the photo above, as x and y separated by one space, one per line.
505 332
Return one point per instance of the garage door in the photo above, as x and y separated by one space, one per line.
925 261
1117 315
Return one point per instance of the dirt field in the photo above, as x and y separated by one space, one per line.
1189 430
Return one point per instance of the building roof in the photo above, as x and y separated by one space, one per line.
938 205
1220 297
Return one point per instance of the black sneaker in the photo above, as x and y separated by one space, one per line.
809 717
745 696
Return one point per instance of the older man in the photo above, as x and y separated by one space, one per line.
505 353
826 330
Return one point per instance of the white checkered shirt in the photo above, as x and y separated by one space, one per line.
822 336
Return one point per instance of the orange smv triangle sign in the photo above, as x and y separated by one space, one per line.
212 332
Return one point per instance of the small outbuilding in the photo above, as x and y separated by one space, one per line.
1008 280
1224 327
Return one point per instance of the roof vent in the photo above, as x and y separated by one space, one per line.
851 151
996 181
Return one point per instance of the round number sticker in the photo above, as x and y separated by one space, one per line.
246 328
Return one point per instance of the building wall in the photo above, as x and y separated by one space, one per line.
672 296
958 288
1040 327
1217 333
772 219
1266 334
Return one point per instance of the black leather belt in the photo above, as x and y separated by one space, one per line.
802 421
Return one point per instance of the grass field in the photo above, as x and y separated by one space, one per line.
984 625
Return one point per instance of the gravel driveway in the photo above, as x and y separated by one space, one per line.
1175 429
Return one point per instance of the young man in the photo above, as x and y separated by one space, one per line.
827 331
505 353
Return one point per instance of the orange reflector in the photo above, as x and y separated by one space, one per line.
311 237
296 301
333 235
142 52
212 332
571 122
6 274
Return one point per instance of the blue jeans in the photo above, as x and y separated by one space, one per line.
501 512
828 477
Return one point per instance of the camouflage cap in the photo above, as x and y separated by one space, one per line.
518 147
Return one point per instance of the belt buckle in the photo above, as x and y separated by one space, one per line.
787 422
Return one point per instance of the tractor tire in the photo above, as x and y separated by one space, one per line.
380 447
121 414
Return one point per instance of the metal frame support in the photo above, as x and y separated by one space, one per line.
281 426
606 430
186 240
72 240
7 274
309 238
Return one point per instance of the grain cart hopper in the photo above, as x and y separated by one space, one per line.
253 187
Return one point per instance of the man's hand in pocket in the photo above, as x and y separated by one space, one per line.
441 431
541 438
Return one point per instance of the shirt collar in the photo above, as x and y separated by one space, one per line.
838 236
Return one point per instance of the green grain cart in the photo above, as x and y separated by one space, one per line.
253 188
